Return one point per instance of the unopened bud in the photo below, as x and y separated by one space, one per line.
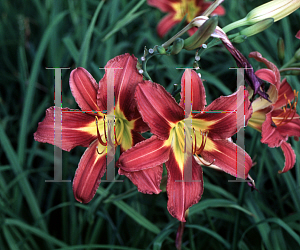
297 55
161 50
276 9
257 27
280 48
239 39
177 46
202 34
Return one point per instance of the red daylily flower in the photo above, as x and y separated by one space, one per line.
177 10
87 127
209 134
277 120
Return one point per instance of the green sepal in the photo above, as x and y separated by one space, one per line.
177 46
202 34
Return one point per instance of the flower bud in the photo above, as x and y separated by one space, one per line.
257 27
276 9
202 34
297 55
239 39
177 46
280 49
161 50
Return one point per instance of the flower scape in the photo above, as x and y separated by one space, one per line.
166 143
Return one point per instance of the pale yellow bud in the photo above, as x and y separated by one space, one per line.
276 9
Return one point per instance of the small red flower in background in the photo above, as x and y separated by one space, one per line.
298 34
177 10
276 120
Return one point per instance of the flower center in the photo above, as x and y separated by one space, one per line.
121 133
185 7
289 111
179 136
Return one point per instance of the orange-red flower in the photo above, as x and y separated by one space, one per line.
210 129
178 9
277 120
88 128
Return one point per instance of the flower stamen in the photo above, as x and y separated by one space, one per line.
105 135
289 110
98 151
203 163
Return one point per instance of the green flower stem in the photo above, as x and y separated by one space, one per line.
288 69
293 59
181 32
212 7
231 26
144 65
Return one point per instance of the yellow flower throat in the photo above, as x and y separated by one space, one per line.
185 7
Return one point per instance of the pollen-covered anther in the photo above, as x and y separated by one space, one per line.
289 110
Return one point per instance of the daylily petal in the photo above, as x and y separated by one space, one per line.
258 57
126 78
78 129
260 103
166 24
198 97
289 155
84 89
160 110
135 138
241 61
227 156
220 117
258 118
163 5
144 155
270 134
267 75
88 175
140 125
289 127
147 180
181 194
286 89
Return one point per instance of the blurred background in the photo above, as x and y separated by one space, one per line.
38 215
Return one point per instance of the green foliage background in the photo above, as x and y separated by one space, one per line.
37 215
